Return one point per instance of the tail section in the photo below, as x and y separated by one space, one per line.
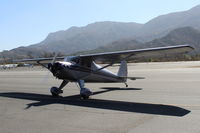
123 72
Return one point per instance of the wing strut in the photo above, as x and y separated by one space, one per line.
125 58
106 66
42 64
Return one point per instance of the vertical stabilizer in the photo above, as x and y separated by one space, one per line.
122 72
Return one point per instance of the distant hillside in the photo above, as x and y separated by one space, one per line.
185 35
124 44
163 24
180 36
88 37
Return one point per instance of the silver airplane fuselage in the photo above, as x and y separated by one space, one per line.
73 72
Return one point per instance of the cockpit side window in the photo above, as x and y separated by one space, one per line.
76 60
79 61
85 62
72 59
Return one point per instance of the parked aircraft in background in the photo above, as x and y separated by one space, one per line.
8 66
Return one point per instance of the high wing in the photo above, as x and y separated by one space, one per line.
43 60
128 55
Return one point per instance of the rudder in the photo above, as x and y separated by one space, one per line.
123 72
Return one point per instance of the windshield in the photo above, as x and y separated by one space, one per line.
73 59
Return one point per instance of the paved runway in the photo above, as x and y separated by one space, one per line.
167 101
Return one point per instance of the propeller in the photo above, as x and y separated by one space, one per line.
54 59
52 62
50 65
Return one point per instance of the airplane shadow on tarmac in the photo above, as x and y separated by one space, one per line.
147 108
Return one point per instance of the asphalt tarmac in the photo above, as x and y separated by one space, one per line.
166 101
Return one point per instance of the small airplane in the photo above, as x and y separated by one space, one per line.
84 68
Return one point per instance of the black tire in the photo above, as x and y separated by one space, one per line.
54 91
84 97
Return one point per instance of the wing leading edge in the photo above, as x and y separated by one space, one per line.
129 55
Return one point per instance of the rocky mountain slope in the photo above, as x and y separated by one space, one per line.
180 36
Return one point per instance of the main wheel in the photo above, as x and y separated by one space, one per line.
55 91
84 97
85 93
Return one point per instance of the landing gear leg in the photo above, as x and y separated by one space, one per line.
126 84
55 91
84 92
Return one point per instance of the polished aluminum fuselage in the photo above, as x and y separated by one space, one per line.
73 72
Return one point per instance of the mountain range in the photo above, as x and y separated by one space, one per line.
179 36
169 29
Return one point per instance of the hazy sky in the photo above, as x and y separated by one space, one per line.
25 22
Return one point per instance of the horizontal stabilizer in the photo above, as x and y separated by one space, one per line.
134 78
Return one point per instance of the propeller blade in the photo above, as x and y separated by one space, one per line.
54 58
